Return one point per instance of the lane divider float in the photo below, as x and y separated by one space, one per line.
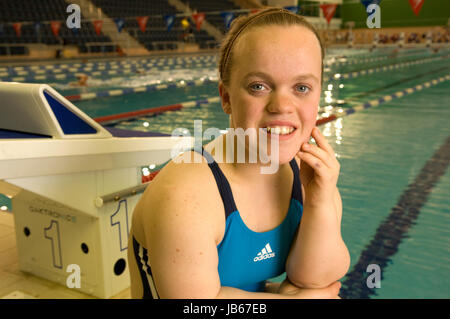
377 102
355 74
108 119
140 89
151 87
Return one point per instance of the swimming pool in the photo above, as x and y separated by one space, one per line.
389 154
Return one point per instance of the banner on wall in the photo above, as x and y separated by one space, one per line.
185 23
328 11
18 28
55 26
416 6
170 20
142 21
119 24
198 18
98 26
227 18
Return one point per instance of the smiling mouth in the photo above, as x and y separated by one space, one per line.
280 130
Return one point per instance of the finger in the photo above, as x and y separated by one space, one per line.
322 141
319 153
315 163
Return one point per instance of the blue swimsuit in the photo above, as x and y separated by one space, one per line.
246 258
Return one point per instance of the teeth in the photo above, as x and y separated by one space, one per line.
280 130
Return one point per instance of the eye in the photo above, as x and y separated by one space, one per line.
257 87
302 88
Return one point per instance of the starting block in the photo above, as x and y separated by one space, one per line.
73 187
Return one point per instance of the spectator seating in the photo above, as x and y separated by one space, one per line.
213 6
29 13
156 36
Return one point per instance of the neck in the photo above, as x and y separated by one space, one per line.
237 159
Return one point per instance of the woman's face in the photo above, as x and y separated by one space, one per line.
275 82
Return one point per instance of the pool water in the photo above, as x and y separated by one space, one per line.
381 150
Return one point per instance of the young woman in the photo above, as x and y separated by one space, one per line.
221 229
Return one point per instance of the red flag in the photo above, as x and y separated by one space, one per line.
17 27
142 21
416 5
55 25
328 11
98 26
198 18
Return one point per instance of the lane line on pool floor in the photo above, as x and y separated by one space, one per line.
393 229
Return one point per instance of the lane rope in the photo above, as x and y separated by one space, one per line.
108 119
374 103
199 82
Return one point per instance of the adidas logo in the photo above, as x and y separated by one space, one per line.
265 253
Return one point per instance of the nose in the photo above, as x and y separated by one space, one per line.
280 102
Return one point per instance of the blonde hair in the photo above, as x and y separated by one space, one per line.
266 17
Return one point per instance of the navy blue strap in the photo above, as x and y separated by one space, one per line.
225 189
147 294
222 183
297 186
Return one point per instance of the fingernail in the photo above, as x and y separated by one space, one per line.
306 146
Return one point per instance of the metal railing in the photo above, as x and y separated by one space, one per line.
116 196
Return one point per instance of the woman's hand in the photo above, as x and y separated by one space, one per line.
319 170
330 292
319 236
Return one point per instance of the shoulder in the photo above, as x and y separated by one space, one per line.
180 220
180 180
181 191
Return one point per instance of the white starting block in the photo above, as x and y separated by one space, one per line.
73 188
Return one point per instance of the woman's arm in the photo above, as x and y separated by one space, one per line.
181 234
318 255
286 291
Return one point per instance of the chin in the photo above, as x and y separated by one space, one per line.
286 151
286 155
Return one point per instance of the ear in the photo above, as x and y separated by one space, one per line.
225 98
